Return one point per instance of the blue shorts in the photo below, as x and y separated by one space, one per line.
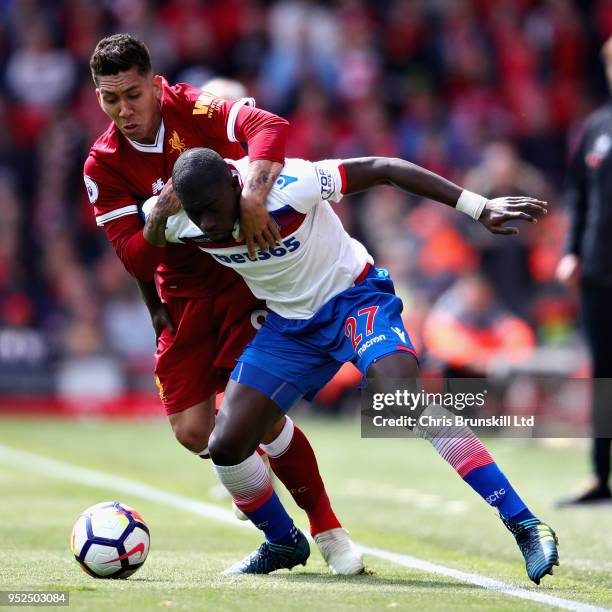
293 358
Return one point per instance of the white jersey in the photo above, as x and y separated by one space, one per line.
316 260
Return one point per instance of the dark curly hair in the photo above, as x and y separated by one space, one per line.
118 53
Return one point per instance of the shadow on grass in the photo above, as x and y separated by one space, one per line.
320 581
374 580
73 587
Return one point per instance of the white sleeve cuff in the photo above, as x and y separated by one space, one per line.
233 115
130 209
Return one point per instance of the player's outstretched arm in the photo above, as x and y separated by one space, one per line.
366 172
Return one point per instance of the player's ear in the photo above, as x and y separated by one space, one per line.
157 86
236 184
99 96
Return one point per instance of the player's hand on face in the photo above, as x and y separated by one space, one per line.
499 211
256 225
160 318
168 203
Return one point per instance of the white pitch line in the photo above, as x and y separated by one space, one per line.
84 476
479 580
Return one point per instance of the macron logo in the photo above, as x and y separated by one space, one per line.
366 345
158 185
400 333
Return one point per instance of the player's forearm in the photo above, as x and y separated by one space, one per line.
260 178
367 172
139 256
423 183
148 291
155 229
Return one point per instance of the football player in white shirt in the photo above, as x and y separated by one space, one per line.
329 305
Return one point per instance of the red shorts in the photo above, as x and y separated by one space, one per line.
211 334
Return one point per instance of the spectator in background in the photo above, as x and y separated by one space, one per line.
587 264
227 89
23 350
430 81
304 44
468 329
38 74
505 263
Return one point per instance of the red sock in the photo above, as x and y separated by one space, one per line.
296 467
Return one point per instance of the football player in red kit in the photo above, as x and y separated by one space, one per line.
203 313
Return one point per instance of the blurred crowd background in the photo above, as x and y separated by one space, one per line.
489 93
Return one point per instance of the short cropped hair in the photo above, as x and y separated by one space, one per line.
118 53
195 174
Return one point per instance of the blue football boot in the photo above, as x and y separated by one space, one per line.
270 557
538 543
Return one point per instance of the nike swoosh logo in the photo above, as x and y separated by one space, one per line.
139 548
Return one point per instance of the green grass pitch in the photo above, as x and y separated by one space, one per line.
395 495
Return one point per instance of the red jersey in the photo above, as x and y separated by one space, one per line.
120 174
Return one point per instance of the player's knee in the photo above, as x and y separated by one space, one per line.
228 448
193 436
397 365
275 431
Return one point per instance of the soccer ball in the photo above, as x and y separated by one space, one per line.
110 540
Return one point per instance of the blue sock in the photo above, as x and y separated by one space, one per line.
289 539
273 520
491 484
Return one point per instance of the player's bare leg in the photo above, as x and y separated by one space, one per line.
462 449
293 461
192 427
244 417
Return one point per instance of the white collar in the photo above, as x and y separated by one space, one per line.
156 147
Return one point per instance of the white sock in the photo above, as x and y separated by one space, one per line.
281 443
247 482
